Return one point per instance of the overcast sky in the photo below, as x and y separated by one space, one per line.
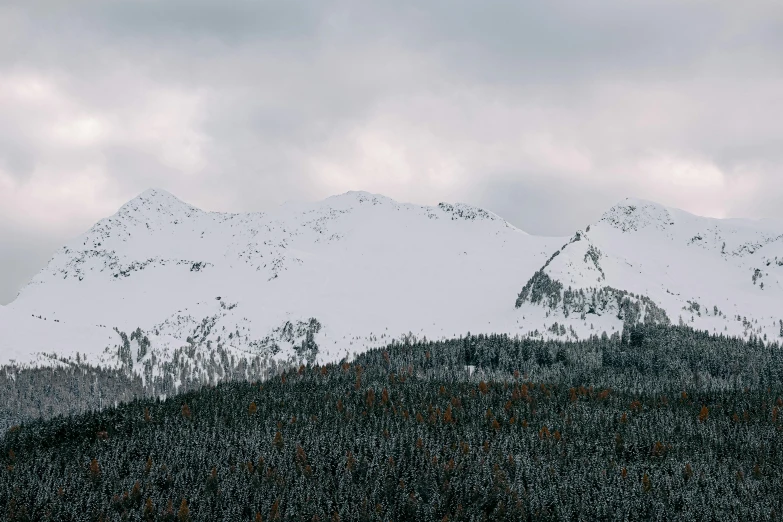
545 112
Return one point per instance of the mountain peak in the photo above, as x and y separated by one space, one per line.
632 214
358 196
155 192
156 195
156 201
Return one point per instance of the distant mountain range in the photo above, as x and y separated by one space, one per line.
162 286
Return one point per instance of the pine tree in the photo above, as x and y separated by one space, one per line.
703 414
149 510
687 473
646 483
95 470
183 515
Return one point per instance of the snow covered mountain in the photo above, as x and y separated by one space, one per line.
643 261
162 286
352 271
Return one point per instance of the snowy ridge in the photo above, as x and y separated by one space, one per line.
352 271
634 214
169 291
724 276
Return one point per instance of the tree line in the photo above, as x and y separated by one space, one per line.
658 422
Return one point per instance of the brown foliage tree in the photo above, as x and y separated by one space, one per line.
278 440
95 470
183 515
300 456
447 417
350 461
149 510
274 512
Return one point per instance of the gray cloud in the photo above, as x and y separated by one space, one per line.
544 112
23 254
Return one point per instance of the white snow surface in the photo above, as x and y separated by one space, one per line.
678 259
367 268
371 270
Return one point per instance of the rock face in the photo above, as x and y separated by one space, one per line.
168 291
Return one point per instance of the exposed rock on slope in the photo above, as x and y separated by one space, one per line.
645 262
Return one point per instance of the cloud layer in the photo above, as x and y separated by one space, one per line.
545 113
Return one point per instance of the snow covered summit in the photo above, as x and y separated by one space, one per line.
351 271
163 285
651 261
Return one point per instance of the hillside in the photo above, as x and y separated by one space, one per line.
661 424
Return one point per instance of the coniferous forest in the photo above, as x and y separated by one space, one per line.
659 423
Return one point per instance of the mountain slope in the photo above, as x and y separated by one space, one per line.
352 271
725 276
180 295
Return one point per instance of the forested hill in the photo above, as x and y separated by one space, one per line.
656 423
